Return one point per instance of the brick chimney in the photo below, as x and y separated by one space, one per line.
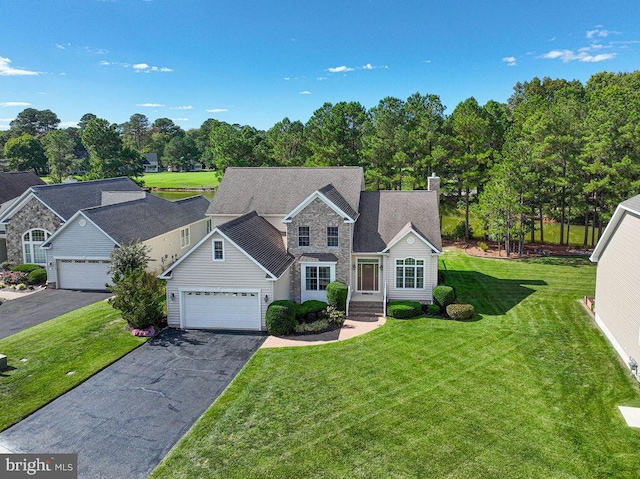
433 183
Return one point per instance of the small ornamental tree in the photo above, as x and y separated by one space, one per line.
139 294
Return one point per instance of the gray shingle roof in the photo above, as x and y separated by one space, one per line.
633 204
67 198
146 218
384 214
14 184
260 240
280 190
337 199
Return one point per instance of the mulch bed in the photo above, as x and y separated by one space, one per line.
531 250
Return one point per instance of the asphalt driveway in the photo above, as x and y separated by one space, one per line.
36 308
124 420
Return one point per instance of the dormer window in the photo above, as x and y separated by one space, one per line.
304 236
332 236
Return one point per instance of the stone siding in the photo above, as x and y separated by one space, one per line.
32 215
318 216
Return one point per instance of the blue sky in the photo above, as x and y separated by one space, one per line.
256 62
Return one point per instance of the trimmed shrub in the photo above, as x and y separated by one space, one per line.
37 276
285 302
315 327
444 295
404 309
310 311
280 319
461 311
26 268
433 310
337 295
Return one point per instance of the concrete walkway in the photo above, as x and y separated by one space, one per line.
123 421
350 329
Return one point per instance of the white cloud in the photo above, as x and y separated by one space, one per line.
150 105
63 46
182 107
600 33
146 68
7 70
582 55
510 61
340 69
140 66
305 92
14 103
217 110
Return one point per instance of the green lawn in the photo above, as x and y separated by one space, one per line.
194 179
83 341
528 390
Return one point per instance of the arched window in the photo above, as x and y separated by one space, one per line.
410 273
31 242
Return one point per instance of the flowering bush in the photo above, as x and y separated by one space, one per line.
335 316
13 277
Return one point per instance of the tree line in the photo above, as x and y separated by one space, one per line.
557 149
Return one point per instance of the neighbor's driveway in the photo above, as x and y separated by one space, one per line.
124 420
36 308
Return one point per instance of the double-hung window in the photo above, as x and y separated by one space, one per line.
304 236
410 273
332 236
184 237
218 250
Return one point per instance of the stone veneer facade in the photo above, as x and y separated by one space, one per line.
318 216
31 216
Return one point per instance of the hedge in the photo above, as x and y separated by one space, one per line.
433 309
280 318
308 311
37 276
461 311
444 295
404 309
26 268
337 295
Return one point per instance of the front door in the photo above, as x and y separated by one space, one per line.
368 270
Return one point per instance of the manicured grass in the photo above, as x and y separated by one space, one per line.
193 179
528 390
83 341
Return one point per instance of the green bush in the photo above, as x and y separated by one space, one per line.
459 232
461 311
483 246
37 276
337 295
335 316
444 295
280 319
285 302
310 311
433 309
404 309
26 268
315 327
140 297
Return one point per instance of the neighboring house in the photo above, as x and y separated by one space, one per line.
617 280
77 254
189 167
285 233
151 164
38 212
12 185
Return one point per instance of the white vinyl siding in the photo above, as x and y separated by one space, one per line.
165 249
418 250
617 293
184 237
199 271
282 287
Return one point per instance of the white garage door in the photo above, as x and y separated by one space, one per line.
83 274
221 310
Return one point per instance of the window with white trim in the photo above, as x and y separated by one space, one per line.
317 277
410 273
218 250
209 226
332 236
31 241
304 236
184 237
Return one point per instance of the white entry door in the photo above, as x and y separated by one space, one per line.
315 278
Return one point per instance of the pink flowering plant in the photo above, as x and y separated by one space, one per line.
13 277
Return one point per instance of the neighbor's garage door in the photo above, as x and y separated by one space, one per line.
83 274
225 310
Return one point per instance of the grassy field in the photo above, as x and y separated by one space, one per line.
83 341
527 390
195 179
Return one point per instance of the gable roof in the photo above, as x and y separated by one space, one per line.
278 190
13 184
332 198
146 218
260 240
632 206
386 216
66 198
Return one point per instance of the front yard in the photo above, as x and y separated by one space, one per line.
530 390
47 360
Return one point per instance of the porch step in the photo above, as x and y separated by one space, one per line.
365 309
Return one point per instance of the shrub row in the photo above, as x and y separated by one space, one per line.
404 309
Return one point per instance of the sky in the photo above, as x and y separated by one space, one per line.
257 62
